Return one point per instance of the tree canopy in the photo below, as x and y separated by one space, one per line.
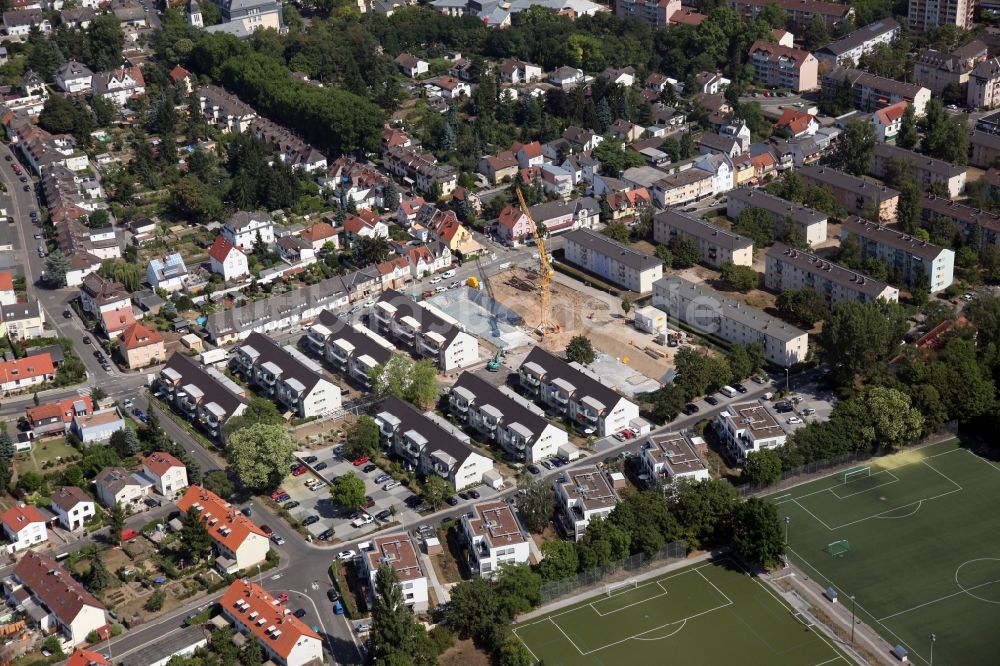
260 454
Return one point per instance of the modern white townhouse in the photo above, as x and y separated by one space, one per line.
494 537
734 321
617 263
169 475
72 507
748 427
916 261
350 349
788 269
572 392
667 457
200 393
499 415
585 494
717 245
811 223
424 331
287 376
927 170
428 447
397 552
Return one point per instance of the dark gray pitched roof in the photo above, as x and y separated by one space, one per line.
557 368
429 320
705 230
600 243
437 437
362 342
513 411
277 306
265 350
216 391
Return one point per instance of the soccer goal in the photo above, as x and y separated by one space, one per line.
856 473
838 548
629 584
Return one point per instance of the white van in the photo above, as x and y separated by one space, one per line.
728 391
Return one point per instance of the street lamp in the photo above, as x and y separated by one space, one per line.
933 638
853 622
786 380
788 519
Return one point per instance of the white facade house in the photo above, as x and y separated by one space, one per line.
72 507
116 485
240 544
585 494
74 77
284 639
243 229
429 445
350 349
169 475
671 456
576 394
424 331
397 551
24 526
788 269
710 311
499 415
285 375
848 49
811 223
916 260
228 260
494 537
120 85
748 427
168 273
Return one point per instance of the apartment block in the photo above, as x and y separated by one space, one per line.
424 331
575 394
870 92
499 415
494 537
936 70
584 495
853 194
967 220
984 149
984 85
848 49
285 375
351 349
683 187
201 394
239 542
396 551
800 12
710 312
612 261
914 259
668 457
718 246
431 446
788 269
924 15
784 67
421 168
811 223
927 170
748 427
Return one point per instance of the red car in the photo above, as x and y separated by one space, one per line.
278 493
361 461
266 530
282 598
300 470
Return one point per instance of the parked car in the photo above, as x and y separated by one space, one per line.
440 290
533 468
360 461
793 420
278 493
436 279
362 520
283 498
464 495
383 515
382 478
546 464
278 539
711 399
455 285
300 613
411 501
321 466
620 436
427 293
451 501
326 535
808 411
391 485
474 494
332 594
739 387
310 520
266 530
448 273
300 470
288 506
309 460
369 502
691 408
369 468
783 407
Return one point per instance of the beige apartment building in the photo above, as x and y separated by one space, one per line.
718 246
788 269
855 195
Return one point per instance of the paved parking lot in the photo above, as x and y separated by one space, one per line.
330 515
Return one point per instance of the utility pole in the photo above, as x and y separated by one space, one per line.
853 621
933 638
788 519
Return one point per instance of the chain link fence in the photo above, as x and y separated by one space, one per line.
614 572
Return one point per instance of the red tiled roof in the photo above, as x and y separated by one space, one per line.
796 121
319 231
232 527
63 408
687 17
510 216
531 150
775 51
6 281
160 462
117 320
178 73
139 335
27 367
892 113
273 623
17 518
220 249
53 585
81 657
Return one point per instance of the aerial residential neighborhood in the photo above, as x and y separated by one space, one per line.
528 332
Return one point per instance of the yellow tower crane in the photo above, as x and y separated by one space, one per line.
545 271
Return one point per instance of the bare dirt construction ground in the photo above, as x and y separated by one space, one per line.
464 653
578 313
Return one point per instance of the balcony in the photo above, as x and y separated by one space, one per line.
561 398
265 378
529 379
458 405
316 341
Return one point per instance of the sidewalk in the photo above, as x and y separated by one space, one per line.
442 594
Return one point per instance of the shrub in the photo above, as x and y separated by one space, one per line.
155 602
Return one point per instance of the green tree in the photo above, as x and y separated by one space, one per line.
7 452
645 519
697 372
684 251
757 225
518 588
105 40
219 483
434 491
250 653
259 410
512 652
98 577
602 543
739 278
397 637
363 438
260 454
856 148
666 403
116 522
617 231
155 602
744 360
194 536
804 306
580 350
404 378
58 115
475 611
559 560
704 511
908 136
626 306
815 34
125 442
857 336
535 503
757 534
348 491
56 267
762 467
663 253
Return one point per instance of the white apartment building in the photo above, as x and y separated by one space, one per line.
748 427
351 349
848 49
494 538
667 457
811 223
914 259
718 246
423 330
575 394
397 551
788 269
285 375
584 495
709 311
499 415
243 229
612 261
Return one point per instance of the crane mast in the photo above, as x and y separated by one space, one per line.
545 271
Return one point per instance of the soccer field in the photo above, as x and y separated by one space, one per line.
921 532
707 614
